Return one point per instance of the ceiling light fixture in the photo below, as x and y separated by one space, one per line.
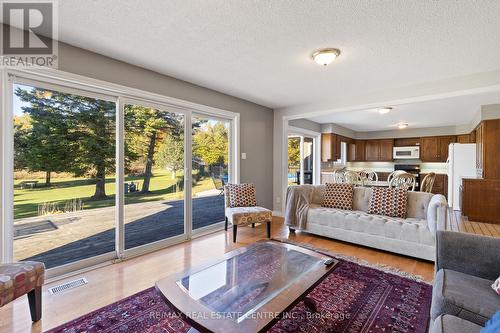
384 110
325 56
402 125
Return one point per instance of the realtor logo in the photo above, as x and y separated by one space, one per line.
29 33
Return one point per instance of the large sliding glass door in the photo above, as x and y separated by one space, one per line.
98 176
154 174
64 174
210 169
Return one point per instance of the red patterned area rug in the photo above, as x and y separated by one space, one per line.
353 298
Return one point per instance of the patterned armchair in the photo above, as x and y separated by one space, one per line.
242 209
25 277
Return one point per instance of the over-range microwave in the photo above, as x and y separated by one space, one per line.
406 153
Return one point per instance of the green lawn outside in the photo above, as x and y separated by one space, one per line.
162 187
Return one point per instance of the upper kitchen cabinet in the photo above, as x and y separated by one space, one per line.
386 147
429 149
444 143
488 149
372 150
330 147
435 148
464 138
356 151
379 150
406 142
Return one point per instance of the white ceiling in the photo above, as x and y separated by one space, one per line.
436 113
259 50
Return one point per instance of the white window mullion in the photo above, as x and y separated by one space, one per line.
301 168
7 174
188 183
234 144
120 179
317 160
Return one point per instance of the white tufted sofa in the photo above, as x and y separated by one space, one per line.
413 236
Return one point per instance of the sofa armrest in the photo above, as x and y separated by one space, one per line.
437 213
468 253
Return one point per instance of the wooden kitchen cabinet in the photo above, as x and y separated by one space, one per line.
372 150
329 147
464 138
488 149
379 150
429 149
472 136
479 149
356 151
351 152
435 148
444 144
406 142
360 150
386 148
341 139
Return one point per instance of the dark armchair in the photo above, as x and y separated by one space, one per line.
466 267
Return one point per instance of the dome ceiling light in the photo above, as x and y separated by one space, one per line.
325 56
384 110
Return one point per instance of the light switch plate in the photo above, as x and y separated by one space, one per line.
243 156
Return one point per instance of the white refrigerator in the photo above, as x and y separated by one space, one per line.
461 163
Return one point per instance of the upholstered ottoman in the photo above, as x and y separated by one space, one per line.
25 277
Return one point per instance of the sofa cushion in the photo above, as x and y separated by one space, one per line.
247 215
417 204
361 198
338 196
388 201
465 296
452 324
410 229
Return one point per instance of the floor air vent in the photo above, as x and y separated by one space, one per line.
68 285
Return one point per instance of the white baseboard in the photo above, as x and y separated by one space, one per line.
277 213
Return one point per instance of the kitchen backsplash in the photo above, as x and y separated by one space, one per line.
440 168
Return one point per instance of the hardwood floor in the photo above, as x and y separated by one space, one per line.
456 222
114 282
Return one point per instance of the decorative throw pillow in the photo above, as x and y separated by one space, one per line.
338 196
242 195
496 286
388 201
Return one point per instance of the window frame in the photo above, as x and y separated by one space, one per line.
121 95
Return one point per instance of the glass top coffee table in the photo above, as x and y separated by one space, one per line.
248 289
